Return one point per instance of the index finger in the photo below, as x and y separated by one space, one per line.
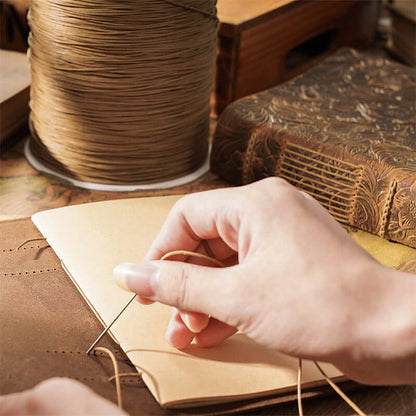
210 215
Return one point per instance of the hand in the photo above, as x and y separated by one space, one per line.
57 396
295 281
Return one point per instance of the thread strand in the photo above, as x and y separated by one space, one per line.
117 375
30 240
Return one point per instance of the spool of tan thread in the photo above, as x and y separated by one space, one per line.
120 89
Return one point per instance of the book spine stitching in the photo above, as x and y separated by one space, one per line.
248 157
387 207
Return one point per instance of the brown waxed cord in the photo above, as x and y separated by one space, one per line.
120 89
30 240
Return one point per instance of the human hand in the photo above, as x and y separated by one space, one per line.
295 281
57 396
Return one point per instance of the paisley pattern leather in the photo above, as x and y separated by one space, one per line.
343 132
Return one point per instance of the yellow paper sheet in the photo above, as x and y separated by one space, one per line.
393 255
91 239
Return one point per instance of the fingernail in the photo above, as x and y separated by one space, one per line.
187 321
136 277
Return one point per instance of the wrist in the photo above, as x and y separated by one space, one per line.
382 334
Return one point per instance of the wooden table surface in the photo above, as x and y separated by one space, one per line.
24 191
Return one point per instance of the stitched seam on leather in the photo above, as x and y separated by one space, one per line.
331 181
281 158
248 158
30 273
8 250
387 206
355 196
137 380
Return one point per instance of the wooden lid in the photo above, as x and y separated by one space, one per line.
15 73
236 12
406 8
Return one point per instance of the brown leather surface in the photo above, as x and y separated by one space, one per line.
46 327
343 132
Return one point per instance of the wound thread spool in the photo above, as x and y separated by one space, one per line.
121 88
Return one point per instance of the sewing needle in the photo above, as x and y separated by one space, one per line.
106 329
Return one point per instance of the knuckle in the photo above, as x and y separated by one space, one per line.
274 182
270 187
280 189
172 285
180 205
181 288
177 209
269 191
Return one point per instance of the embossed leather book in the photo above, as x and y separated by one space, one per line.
344 132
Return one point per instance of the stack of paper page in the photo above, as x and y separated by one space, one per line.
91 239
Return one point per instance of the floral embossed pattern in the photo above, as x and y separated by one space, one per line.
343 132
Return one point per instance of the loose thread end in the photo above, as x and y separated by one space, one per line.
30 240
116 373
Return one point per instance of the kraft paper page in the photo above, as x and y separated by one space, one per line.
91 239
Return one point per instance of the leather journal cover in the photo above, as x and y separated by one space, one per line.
344 132
91 239
46 326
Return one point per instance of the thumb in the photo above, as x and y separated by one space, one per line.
186 286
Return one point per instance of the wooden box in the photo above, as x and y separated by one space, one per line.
14 29
262 43
14 94
403 30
